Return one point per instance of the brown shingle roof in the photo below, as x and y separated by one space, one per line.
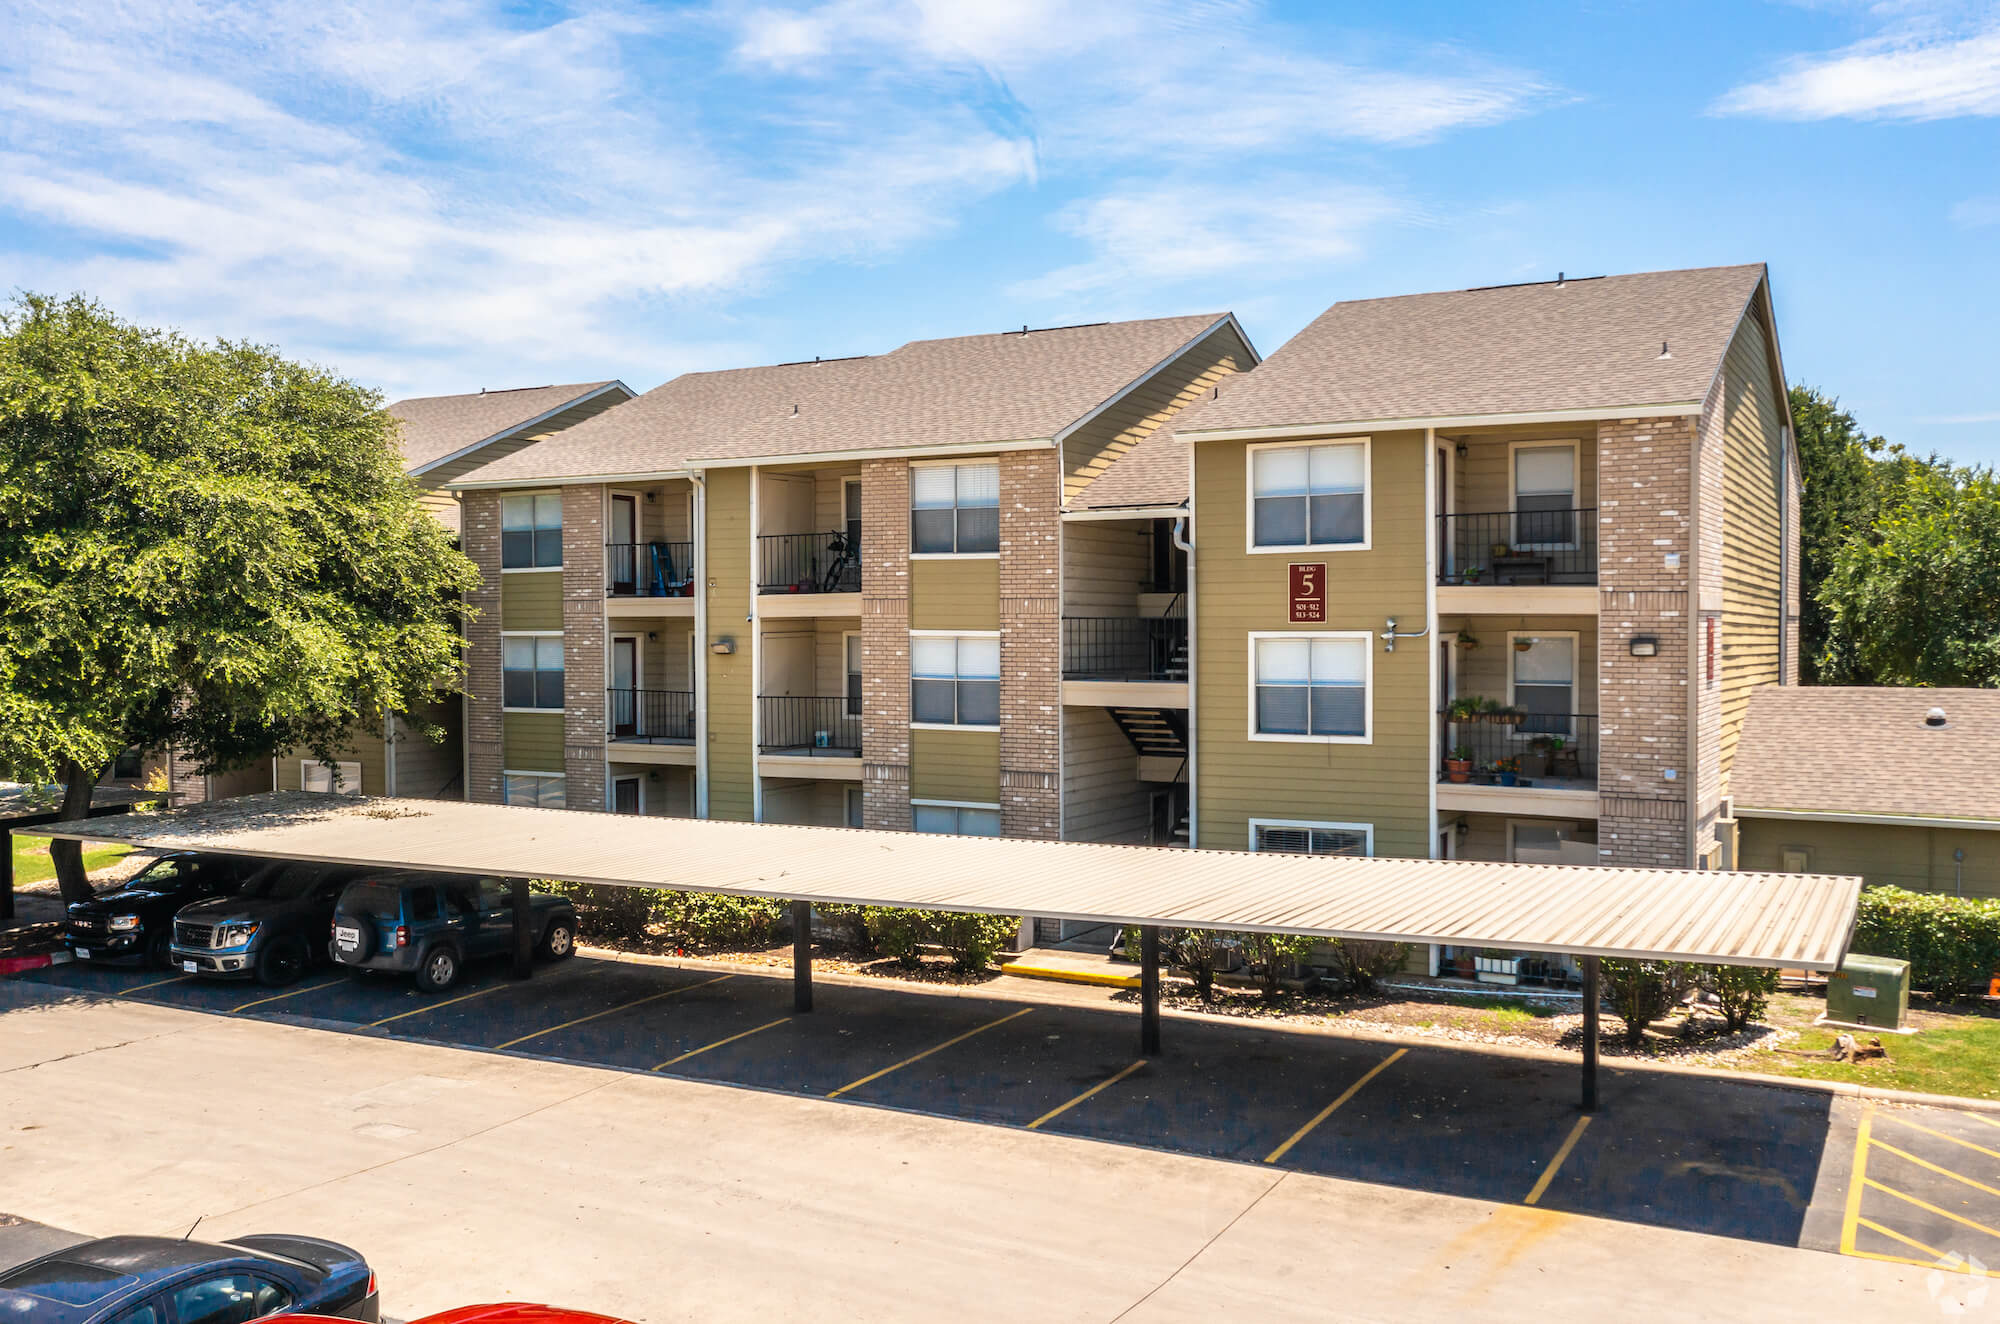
1855 750
435 426
965 391
1582 344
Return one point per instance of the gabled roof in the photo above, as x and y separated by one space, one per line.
1582 346
439 428
968 392
1863 751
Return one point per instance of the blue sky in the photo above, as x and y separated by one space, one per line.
447 194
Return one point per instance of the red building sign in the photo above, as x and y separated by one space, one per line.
1308 593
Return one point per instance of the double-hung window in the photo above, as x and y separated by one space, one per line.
955 508
1309 496
1545 496
1544 676
955 820
342 776
1310 687
531 671
955 679
540 790
531 531
1293 838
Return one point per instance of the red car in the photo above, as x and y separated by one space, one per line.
513 1312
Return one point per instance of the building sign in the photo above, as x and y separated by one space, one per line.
1308 593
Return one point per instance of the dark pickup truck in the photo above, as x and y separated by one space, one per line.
135 922
272 929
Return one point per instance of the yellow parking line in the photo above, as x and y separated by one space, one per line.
1904 1121
1931 1208
1332 1108
1857 1174
650 997
918 1057
1977 1117
433 1006
171 979
697 1052
1549 1175
1894 1235
290 993
1101 1085
1910 1259
1941 1171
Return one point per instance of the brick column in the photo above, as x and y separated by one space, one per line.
885 645
1644 483
479 536
1030 644
584 676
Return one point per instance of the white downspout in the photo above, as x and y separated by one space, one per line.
699 679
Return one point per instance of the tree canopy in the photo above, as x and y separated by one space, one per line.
202 546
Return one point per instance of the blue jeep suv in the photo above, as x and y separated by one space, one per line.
429 925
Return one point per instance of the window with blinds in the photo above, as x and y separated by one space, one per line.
1544 682
955 820
1313 839
955 508
531 671
1309 496
539 790
1545 496
1312 686
531 532
955 680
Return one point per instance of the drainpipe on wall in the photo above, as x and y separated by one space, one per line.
699 680
1181 541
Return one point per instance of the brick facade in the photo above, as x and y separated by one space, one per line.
1645 583
479 536
584 674
885 645
1030 644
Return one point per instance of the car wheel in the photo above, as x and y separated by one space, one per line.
559 939
439 970
158 957
282 962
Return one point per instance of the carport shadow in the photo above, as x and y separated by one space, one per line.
1728 1158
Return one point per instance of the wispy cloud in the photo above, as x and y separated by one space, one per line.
1962 419
1916 72
1975 212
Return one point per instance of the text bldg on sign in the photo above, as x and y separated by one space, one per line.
1308 593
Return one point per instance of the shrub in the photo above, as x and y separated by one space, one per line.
1641 992
1196 953
970 940
1742 991
1273 955
1362 963
702 920
608 914
1952 943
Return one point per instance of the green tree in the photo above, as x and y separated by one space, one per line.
1838 463
203 546
1916 600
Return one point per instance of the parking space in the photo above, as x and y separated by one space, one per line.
1735 1159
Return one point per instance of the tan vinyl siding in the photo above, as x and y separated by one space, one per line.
1089 451
807 802
1914 857
1484 671
428 769
532 742
731 678
364 748
1103 798
830 654
443 505
955 593
1752 562
531 600
665 792
1104 564
1483 477
664 649
955 765
828 513
1386 782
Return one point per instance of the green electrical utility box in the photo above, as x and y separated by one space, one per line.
1869 990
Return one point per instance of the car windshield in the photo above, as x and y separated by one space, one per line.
281 881
66 1281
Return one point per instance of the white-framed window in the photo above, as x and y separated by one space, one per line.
1543 477
1292 836
1541 678
342 776
955 509
531 671
851 649
1312 687
540 790
954 678
854 806
531 531
955 818
1308 496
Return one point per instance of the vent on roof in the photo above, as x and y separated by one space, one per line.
807 363
1561 280
1035 331
1935 719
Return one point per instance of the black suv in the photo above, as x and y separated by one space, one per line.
428 925
272 928
135 923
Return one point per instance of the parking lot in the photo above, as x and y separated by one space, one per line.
1739 1160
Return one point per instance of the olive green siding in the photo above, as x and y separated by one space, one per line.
1918 858
532 742
531 601
955 593
1752 511
1092 448
364 748
725 570
1385 782
955 765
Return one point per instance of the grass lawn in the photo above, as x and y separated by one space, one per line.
33 865
1957 1051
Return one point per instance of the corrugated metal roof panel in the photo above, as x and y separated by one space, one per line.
1770 919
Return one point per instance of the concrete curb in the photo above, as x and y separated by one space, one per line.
15 965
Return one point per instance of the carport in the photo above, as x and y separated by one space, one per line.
29 809
1793 921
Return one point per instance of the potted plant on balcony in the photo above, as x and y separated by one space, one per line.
1470 574
1468 640
1507 771
1541 755
1464 708
1458 767
1499 549
1507 714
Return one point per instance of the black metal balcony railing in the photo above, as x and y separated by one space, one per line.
1518 547
808 724
1125 648
1556 750
654 717
649 569
808 563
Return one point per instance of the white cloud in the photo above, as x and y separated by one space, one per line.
1913 74
1975 212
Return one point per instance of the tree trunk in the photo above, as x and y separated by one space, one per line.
78 784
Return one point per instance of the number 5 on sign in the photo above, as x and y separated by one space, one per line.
1308 593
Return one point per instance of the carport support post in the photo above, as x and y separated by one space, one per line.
1591 994
802 956
1149 990
524 931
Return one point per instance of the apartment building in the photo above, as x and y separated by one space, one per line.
873 591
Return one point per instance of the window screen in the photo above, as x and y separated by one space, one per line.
1312 840
955 680
531 531
955 508
1309 496
955 820
531 672
541 792
1310 686
1545 496
1545 684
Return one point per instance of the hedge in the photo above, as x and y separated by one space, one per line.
971 940
1952 943
692 920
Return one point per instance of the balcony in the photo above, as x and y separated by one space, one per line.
804 735
1518 560
650 726
650 578
1125 661
1514 759
808 563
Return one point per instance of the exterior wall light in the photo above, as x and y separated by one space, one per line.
1645 645
723 646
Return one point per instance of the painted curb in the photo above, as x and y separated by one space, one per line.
1065 976
15 965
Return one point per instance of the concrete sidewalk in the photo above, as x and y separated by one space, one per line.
469 1176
